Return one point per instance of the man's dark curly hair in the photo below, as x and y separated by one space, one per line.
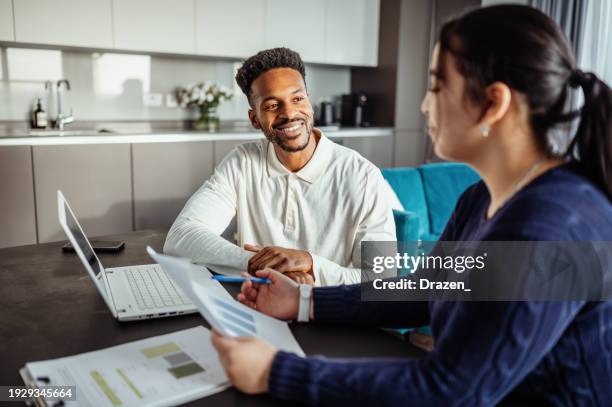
264 61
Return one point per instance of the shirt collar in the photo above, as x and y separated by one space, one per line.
312 170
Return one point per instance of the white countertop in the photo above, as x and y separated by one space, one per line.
88 137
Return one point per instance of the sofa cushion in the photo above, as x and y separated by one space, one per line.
443 184
407 184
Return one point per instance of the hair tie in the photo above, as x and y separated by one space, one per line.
579 78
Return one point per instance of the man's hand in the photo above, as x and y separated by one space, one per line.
279 299
247 361
280 259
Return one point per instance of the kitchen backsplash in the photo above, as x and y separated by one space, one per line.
113 86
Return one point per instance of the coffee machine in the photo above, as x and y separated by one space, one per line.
354 110
326 116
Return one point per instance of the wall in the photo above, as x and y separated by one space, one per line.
443 11
111 86
413 63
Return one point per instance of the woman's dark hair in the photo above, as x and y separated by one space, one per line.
525 49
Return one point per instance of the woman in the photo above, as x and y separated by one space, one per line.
500 82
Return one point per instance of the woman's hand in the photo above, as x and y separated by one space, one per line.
247 361
279 299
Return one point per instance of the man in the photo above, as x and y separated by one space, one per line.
303 203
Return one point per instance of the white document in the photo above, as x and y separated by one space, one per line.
164 370
227 316
201 276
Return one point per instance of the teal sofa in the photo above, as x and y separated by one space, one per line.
428 194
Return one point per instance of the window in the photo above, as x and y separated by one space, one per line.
596 47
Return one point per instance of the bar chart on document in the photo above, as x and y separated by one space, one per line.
236 320
156 371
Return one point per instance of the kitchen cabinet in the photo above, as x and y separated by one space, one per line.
155 25
352 32
165 176
341 32
119 187
7 32
17 220
96 182
83 23
378 150
230 28
297 25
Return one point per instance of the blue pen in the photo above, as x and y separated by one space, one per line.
231 279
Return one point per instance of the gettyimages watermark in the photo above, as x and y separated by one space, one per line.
486 271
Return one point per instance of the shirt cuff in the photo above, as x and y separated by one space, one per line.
328 273
317 269
289 378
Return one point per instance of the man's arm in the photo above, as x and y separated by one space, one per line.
376 224
196 232
510 340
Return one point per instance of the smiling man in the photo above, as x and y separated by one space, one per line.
303 203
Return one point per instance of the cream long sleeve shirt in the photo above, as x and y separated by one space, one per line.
327 208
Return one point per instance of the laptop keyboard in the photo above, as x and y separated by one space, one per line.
153 289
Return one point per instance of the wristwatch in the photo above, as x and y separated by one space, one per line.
304 307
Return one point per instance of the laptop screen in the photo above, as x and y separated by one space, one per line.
82 241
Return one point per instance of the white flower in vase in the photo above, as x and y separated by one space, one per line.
206 96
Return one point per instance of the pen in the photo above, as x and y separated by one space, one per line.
231 279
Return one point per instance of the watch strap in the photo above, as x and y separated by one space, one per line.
304 306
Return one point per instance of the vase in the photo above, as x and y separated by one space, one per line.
208 120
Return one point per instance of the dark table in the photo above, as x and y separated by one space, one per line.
49 308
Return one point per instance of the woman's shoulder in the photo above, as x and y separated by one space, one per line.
562 204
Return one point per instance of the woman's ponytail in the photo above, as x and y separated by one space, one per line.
592 145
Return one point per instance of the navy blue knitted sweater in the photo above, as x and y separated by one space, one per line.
526 353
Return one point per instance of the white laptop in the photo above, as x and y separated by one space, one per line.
134 292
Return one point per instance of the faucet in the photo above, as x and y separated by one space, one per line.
62 118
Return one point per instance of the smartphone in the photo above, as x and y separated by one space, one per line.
99 246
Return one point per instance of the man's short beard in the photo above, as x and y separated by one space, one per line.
282 144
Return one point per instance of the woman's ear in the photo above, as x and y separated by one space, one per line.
253 119
499 97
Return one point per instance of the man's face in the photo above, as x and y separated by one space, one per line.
281 108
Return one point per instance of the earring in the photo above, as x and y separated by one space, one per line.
485 129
